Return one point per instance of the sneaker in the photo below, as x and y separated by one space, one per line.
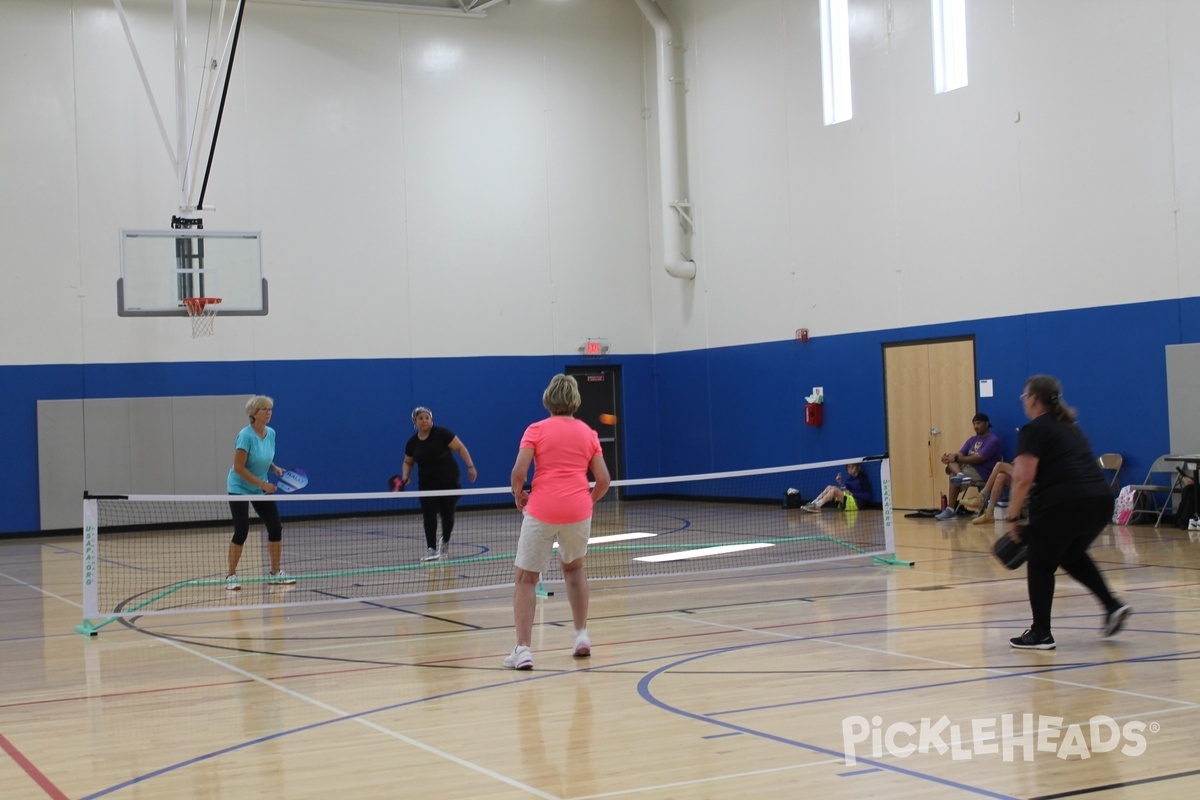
1194 524
519 658
279 578
1115 621
1031 641
947 513
431 554
443 546
232 584
961 479
813 507
583 644
987 515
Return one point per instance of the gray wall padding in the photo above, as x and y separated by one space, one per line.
142 445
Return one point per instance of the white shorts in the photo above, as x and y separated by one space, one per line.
536 544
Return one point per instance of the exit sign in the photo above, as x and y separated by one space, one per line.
594 348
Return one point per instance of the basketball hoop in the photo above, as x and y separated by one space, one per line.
202 310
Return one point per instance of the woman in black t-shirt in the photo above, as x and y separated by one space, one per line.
1070 504
432 450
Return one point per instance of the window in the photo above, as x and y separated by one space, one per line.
949 44
835 61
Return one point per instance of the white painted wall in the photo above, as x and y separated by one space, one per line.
426 186
443 187
928 208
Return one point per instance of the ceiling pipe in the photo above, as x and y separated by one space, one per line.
676 221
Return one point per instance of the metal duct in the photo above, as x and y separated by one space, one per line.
673 208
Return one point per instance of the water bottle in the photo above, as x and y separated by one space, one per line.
945 502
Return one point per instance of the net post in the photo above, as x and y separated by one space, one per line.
542 591
91 560
889 519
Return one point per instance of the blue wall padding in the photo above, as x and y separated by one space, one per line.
724 408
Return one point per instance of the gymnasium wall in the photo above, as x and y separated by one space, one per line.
450 207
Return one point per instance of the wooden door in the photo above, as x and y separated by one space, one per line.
930 399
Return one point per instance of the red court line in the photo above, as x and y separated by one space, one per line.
24 763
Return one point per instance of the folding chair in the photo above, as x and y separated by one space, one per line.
1160 480
971 501
1111 463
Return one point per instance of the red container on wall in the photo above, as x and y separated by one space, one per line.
814 413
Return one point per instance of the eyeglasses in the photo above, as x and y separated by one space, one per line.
1023 395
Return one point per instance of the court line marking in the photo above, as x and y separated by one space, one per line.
40 590
750 630
998 672
778 638
643 688
1181 706
342 716
699 781
30 769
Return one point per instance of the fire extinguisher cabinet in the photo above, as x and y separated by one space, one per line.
814 414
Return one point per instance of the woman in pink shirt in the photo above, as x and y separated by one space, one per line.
559 507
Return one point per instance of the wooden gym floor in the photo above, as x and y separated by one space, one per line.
726 685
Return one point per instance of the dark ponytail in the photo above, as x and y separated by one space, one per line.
1048 391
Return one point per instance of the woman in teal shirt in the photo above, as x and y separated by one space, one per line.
253 459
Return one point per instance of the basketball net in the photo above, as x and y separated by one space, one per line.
202 310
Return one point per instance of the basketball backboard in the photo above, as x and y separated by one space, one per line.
159 268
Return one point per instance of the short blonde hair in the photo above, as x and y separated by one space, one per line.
562 395
256 403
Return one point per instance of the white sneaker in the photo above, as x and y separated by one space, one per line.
280 578
1114 621
431 554
583 644
519 658
232 584
947 513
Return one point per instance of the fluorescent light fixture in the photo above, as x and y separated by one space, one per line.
949 44
835 61
621 537
704 552
617 537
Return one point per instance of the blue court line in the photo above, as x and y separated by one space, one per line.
733 729
348 717
1009 671
1033 670
644 691
643 685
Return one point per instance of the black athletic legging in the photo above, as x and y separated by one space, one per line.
430 508
1060 536
267 512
